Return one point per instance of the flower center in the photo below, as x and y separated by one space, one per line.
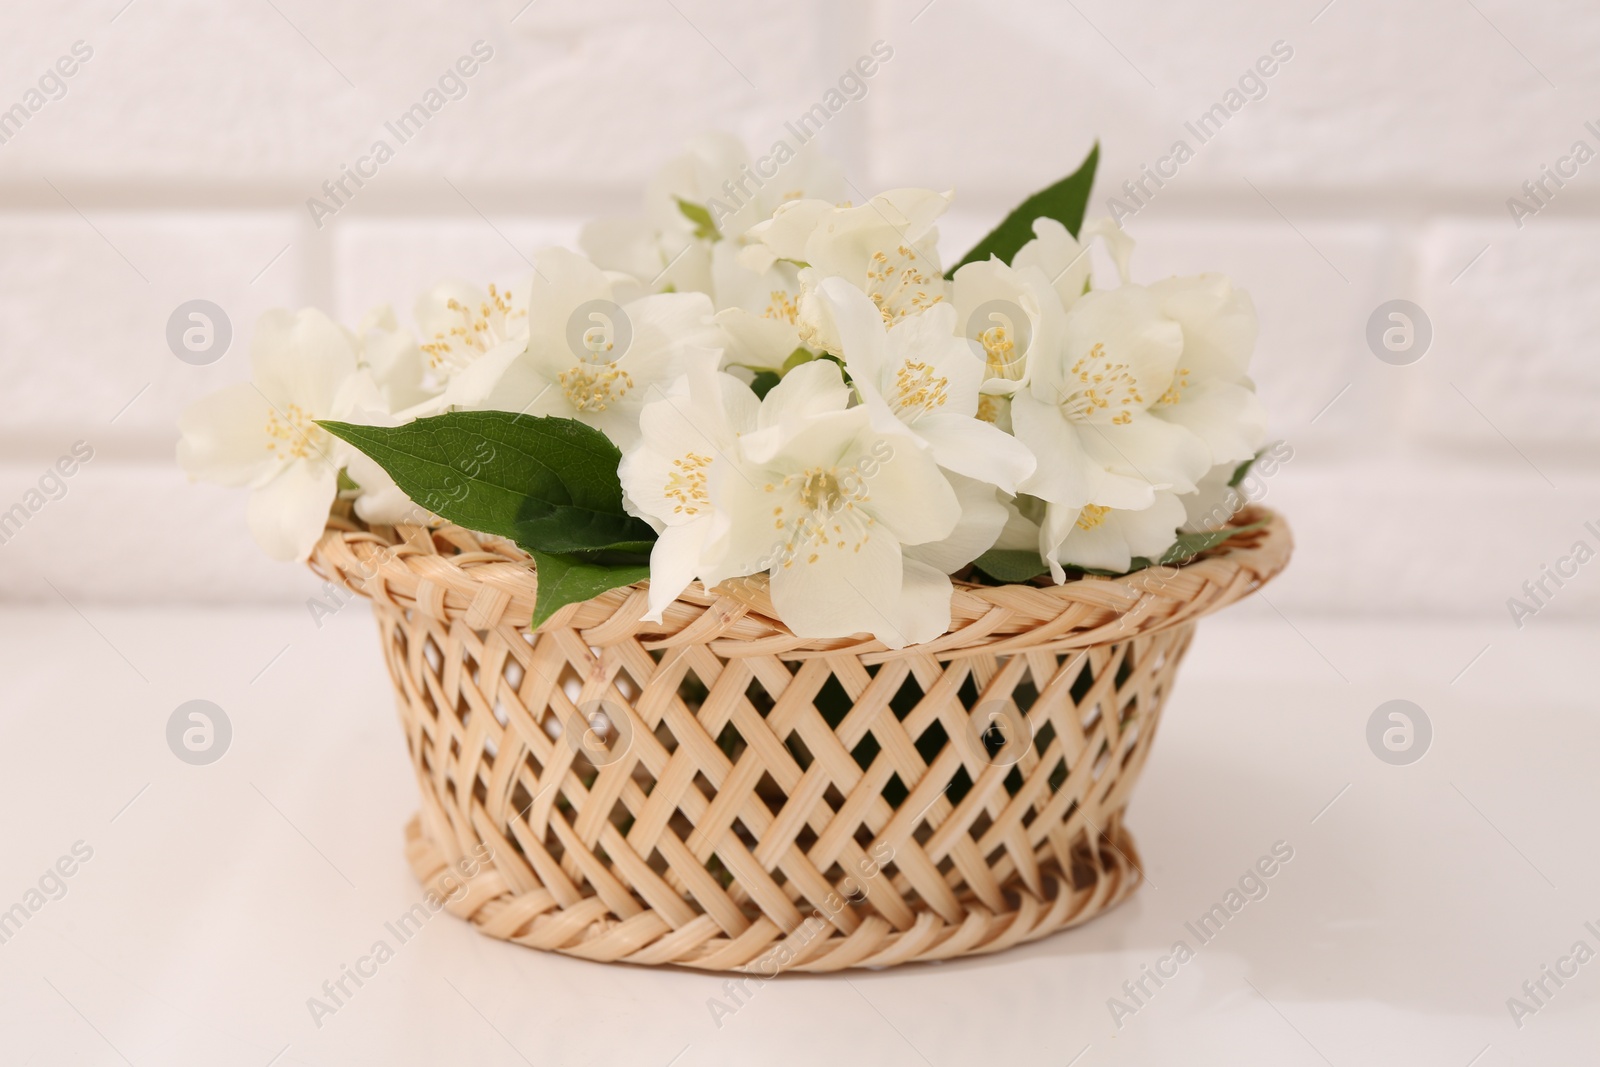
474 331
898 286
991 408
1174 393
781 306
811 521
686 483
292 434
590 387
1000 353
917 387
1097 386
1091 516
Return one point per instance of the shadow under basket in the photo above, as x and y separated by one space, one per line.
714 792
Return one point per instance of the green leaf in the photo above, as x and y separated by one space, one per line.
549 484
796 358
1011 564
1065 201
565 579
763 382
1021 565
1243 469
1190 545
705 228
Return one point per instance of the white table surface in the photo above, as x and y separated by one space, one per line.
219 898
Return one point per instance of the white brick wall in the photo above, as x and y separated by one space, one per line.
1376 166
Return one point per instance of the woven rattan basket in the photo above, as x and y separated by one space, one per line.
748 800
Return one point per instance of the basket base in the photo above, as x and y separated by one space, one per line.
1106 877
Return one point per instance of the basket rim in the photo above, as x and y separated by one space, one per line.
448 572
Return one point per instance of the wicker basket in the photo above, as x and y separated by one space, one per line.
751 801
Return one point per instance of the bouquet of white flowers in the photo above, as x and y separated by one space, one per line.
757 379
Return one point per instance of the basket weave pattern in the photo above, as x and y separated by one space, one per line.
755 801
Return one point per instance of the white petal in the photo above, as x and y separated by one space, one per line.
1021 530
1102 548
1116 239
809 389
1216 501
905 491
287 515
397 367
674 563
1219 323
1229 418
225 437
1152 530
982 519
1059 256
791 226
976 449
672 320
827 590
1119 536
859 327
1150 450
563 282
301 358
1064 473
381 502
924 605
504 380
757 341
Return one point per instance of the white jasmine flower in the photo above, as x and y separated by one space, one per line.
1064 259
587 356
393 359
262 434
1210 393
666 249
1087 408
1093 537
1060 257
887 248
1108 539
460 322
814 493
1006 314
689 445
919 374
760 312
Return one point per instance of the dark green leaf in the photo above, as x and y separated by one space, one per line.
567 580
1243 469
1138 563
705 227
1020 565
1065 201
1011 564
763 382
1190 545
549 484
